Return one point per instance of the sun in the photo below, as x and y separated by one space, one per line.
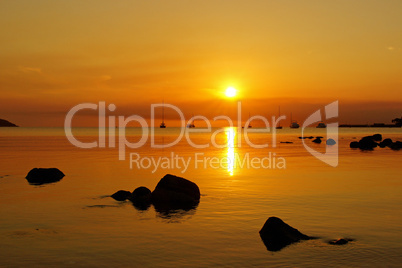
230 92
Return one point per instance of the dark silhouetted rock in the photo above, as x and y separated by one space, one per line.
331 142
385 143
354 144
39 176
121 195
341 241
367 143
141 198
288 142
317 140
310 137
175 193
319 137
377 137
396 145
276 234
5 123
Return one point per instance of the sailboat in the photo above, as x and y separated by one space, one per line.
293 124
163 125
191 124
279 114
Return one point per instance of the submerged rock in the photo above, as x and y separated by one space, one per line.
340 241
174 192
39 176
276 234
121 195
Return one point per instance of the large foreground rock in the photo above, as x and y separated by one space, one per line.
276 234
38 176
174 192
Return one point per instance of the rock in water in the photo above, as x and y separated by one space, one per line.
39 176
367 143
5 123
341 241
377 137
331 142
121 195
317 140
385 143
141 198
175 193
276 234
354 144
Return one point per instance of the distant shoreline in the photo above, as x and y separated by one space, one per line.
368 126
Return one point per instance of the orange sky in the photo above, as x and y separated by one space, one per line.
300 55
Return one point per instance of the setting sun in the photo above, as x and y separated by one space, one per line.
230 92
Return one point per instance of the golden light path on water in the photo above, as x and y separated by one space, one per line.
231 134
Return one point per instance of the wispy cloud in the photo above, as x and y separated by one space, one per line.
30 69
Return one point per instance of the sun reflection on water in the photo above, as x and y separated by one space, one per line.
231 134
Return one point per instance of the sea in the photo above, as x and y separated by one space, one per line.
244 176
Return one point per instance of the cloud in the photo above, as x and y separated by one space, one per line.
105 77
30 69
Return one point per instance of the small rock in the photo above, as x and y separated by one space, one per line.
377 137
331 142
396 145
317 140
367 143
141 198
340 241
39 176
276 234
354 144
121 195
385 143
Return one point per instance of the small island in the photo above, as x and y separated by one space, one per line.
5 123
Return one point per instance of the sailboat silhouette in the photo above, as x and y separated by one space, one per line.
279 114
163 125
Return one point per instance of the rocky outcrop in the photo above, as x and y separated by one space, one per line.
368 143
39 176
276 234
171 193
5 123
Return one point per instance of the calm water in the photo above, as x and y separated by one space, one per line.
72 223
